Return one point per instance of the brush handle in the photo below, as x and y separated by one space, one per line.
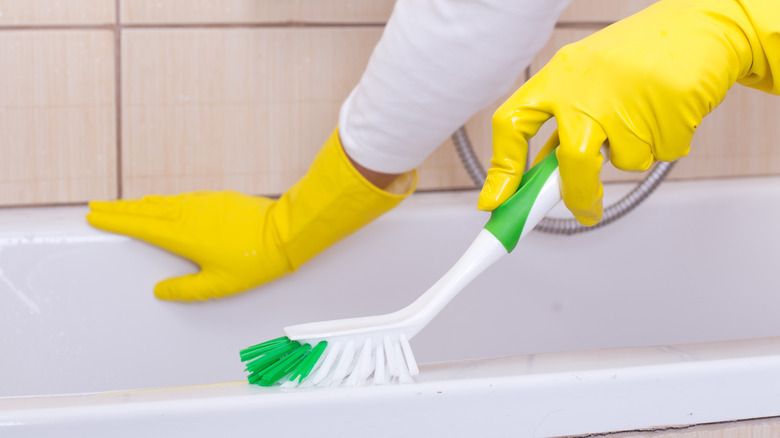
538 193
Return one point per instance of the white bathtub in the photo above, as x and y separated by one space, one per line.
667 317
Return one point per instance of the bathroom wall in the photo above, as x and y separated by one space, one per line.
121 98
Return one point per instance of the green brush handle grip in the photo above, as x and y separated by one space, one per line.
510 219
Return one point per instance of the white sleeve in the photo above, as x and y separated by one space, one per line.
438 62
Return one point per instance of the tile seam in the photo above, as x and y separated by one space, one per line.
118 95
229 25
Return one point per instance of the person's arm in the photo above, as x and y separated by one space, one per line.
438 62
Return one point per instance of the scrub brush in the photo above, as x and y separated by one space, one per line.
376 349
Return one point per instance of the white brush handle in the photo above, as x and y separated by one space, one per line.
483 252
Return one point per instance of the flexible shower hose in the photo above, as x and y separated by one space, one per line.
612 213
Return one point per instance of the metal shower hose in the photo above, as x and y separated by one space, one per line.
567 226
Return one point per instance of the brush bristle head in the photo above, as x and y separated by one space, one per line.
280 359
349 362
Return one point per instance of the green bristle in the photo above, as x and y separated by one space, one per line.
274 351
271 356
284 366
254 351
271 352
273 360
306 365
268 364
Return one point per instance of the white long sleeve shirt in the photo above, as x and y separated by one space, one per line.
437 63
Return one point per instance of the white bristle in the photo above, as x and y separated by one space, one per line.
403 375
363 367
349 364
324 369
411 363
365 364
290 384
307 383
393 361
345 363
379 370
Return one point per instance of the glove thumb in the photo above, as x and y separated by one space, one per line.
191 287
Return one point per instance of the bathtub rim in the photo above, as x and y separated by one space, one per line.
550 394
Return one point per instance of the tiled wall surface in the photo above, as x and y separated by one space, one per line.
238 108
336 12
57 116
56 12
122 98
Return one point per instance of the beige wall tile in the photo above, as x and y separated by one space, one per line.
739 138
57 118
34 12
241 109
255 11
602 11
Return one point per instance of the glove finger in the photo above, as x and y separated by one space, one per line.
155 206
628 152
160 232
579 160
192 287
513 126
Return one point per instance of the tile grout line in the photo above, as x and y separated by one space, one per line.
583 25
118 94
53 27
163 26
251 25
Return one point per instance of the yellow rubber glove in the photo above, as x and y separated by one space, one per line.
643 84
244 241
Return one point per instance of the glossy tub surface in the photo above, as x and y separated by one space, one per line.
668 316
